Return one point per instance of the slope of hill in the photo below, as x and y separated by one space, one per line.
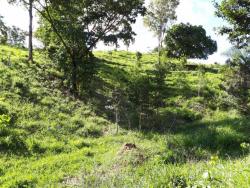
50 139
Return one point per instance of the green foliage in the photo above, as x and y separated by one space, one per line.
10 137
139 93
178 181
3 32
16 37
160 14
236 78
69 142
138 56
185 40
245 147
11 35
236 13
4 121
62 29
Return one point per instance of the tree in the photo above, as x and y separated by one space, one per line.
159 16
29 5
236 81
189 41
160 72
11 35
79 25
138 56
236 13
202 82
16 36
3 32
139 93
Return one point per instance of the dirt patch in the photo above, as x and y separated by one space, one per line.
129 146
130 154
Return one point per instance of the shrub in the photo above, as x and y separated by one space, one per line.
3 107
90 130
27 182
138 56
10 138
35 147
245 147
179 181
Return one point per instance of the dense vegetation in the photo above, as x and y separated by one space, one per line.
74 117
49 138
236 13
185 40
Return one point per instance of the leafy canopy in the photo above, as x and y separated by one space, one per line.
237 14
81 24
75 28
189 41
3 31
159 14
16 36
13 36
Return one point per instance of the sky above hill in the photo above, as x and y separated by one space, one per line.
196 12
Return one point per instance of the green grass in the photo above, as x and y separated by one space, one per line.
50 139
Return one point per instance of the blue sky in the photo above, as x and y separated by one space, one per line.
196 12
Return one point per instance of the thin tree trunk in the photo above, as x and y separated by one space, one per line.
117 119
159 50
160 36
141 121
244 92
140 118
74 76
31 31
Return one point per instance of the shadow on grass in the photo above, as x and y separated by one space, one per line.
201 140
188 140
110 62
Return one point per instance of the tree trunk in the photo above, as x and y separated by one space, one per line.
30 31
117 119
159 50
74 76
244 93
160 36
140 118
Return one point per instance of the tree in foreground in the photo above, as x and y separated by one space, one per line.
29 5
237 14
160 15
185 40
77 26
236 79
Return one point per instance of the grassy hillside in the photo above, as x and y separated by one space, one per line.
50 139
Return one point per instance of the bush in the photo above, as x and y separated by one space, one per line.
90 130
10 138
178 182
138 56
3 108
35 147
27 182
181 113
